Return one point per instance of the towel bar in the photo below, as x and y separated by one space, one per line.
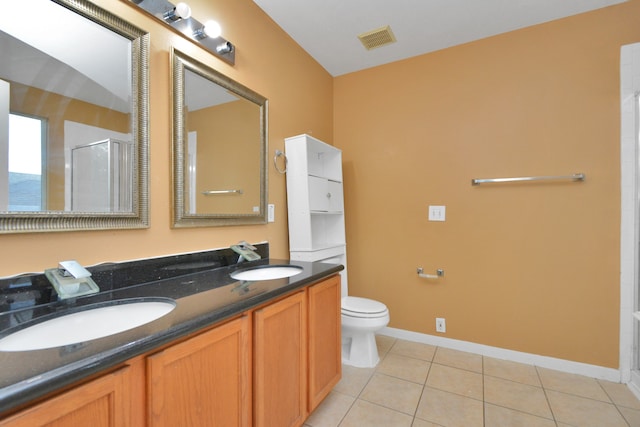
574 177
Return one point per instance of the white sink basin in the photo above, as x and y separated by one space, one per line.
266 272
85 325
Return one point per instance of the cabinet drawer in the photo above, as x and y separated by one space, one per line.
325 195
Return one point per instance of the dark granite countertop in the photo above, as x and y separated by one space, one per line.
203 291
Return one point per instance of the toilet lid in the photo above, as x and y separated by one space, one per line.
362 305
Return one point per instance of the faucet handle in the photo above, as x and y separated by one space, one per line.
74 269
245 245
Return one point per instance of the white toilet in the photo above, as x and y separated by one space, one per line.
361 319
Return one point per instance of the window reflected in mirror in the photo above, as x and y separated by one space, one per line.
27 160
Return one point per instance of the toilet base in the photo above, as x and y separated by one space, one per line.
360 350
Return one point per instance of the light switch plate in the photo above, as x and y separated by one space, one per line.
271 213
437 213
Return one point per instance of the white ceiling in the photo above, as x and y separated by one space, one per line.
328 29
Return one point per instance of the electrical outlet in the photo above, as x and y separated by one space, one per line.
441 325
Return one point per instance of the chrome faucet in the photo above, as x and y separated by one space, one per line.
71 279
245 251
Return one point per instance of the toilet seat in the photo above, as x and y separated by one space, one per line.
363 308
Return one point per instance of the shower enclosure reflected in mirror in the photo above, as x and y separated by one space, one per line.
220 144
73 118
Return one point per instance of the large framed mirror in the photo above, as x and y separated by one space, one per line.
219 148
73 119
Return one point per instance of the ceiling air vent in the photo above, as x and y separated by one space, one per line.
377 38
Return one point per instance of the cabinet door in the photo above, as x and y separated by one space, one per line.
325 361
103 402
280 371
318 194
325 195
203 381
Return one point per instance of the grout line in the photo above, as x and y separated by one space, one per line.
546 396
484 402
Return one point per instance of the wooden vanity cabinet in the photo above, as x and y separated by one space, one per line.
280 363
297 357
325 358
103 402
270 367
203 381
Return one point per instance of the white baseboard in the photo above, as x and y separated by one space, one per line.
634 383
568 366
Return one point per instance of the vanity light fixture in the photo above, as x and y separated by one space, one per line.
178 17
181 11
209 29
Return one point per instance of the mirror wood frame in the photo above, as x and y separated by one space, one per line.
181 62
48 221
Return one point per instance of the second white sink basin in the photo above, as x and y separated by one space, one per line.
86 325
267 272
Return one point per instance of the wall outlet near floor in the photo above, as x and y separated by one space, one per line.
441 325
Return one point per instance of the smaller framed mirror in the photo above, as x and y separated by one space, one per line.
219 148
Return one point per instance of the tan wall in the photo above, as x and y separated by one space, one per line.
267 61
530 267
228 156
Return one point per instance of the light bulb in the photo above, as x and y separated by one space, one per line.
212 29
181 11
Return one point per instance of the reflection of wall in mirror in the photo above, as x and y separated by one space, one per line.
228 156
57 109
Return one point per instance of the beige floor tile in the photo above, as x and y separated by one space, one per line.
384 344
448 409
449 392
497 416
458 359
331 411
572 384
631 415
353 380
367 414
518 396
406 368
513 371
455 380
414 349
584 412
393 393
620 394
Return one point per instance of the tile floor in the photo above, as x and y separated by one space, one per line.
419 385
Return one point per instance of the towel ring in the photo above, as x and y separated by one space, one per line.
275 161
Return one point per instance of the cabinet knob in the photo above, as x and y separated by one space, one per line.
328 195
